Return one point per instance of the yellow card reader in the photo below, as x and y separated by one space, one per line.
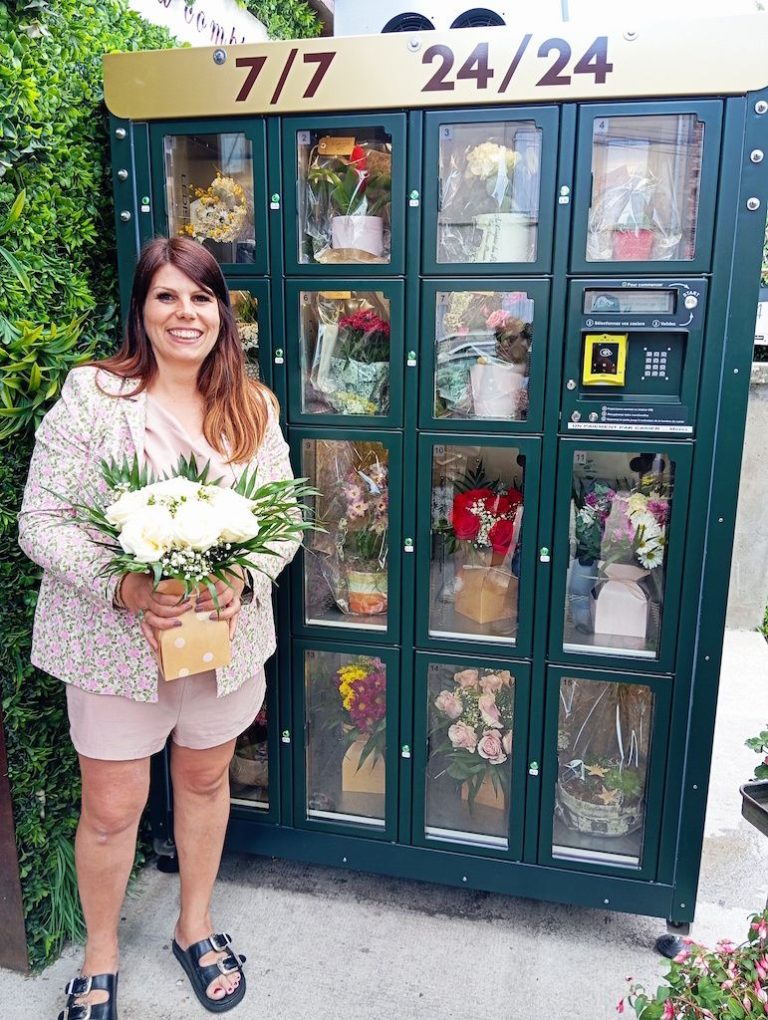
605 359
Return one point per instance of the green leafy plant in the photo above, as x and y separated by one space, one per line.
726 983
33 366
56 218
759 745
283 19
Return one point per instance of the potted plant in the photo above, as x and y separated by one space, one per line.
499 384
354 195
246 308
755 793
505 229
726 983
593 504
632 548
471 728
358 370
362 539
603 743
250 763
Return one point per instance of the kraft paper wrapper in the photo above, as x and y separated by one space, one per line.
487 594
199 644
365 778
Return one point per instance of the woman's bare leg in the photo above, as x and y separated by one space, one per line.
201 812
114 795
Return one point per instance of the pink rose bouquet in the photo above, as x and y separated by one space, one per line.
472 727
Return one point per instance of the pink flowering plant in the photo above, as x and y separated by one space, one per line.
726 983
361 537
472 728
362 691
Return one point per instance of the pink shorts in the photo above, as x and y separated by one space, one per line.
114 728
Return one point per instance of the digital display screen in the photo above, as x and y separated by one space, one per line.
637 302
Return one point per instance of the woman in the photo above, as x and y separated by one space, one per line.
177 386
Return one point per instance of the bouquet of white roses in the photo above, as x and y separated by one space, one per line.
190 531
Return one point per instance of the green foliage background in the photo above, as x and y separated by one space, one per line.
53 143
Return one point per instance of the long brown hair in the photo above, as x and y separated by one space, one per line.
236 407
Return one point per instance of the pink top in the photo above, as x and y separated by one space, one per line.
166 439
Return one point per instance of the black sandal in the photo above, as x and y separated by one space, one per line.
80 986
200 976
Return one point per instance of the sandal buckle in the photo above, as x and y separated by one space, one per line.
82 1012
226 941
221 963
79 986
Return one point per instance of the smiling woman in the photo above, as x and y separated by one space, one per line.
177 387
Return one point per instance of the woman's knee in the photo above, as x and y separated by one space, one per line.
114 796
109 817
207 781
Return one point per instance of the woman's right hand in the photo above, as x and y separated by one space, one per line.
159 611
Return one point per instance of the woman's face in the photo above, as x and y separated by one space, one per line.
181 319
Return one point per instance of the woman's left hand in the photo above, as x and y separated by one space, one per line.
228 593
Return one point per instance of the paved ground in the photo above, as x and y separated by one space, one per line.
327 945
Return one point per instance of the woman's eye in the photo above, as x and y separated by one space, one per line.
164 296
203 298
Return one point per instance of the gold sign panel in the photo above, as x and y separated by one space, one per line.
704 56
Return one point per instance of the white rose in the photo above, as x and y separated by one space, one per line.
119 512
148 534
237 521
173 488
196 525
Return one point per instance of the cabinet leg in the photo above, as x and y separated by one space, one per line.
671 944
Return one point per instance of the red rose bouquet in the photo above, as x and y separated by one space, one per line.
488 519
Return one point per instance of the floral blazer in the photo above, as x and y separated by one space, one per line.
78 636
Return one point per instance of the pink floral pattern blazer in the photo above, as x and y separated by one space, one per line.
78 636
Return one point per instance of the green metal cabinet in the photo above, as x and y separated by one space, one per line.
528 380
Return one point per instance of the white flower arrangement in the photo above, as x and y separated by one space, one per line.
219 212
187 528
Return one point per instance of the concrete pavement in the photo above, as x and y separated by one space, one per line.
331 945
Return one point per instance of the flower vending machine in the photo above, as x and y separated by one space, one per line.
505 295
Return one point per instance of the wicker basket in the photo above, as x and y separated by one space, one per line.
251 769
610 820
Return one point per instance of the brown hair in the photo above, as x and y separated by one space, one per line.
236 407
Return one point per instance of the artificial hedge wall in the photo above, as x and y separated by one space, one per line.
53 145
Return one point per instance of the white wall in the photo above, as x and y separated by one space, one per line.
206 23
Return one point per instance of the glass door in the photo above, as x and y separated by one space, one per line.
346 764
489 191
350 570
210 182
618 552
345 195
645 187
250 306
476 542
471 720
347 349
484 353
604 762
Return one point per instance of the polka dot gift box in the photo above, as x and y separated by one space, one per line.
200 643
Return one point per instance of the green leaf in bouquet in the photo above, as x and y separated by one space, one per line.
126 474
